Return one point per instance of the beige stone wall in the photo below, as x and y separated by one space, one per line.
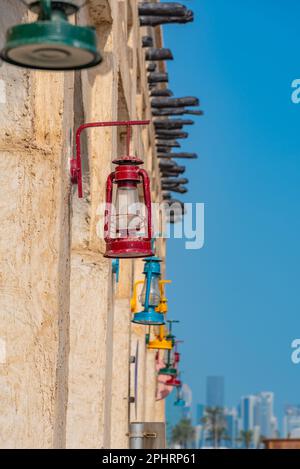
65 332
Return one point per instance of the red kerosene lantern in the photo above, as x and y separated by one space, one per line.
128 221
127 228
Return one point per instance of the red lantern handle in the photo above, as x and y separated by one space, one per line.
107 213
147 198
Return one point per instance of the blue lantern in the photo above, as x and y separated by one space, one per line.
150 296
179 403
179 400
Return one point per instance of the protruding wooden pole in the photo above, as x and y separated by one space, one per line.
158 77
177 181
167 143
171 172
188 156
159 20
169 112
170 134
172 124
147 41
179 189
161 92
159 54
154 14
151 67
160 103
162 9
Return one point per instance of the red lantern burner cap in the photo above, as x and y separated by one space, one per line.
131 160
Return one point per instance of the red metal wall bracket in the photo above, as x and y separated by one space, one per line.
75 163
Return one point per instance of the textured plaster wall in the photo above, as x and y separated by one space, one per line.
65 332
35 256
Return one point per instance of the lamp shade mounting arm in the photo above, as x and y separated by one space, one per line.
70 5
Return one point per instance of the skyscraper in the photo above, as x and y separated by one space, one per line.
265 412
215 391
231 419
249 418
256 414
291 421
248 413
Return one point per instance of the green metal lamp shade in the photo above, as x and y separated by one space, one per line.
51 45
168 371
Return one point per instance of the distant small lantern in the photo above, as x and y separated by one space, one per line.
170 368
173 381
180 402
150 295
176 353
51 43
162 341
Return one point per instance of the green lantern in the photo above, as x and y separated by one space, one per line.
170 368
51 43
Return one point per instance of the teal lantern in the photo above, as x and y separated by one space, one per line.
150 296
180 402
51 43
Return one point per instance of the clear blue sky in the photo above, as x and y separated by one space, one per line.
239 298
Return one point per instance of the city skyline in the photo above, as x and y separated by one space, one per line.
253 412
